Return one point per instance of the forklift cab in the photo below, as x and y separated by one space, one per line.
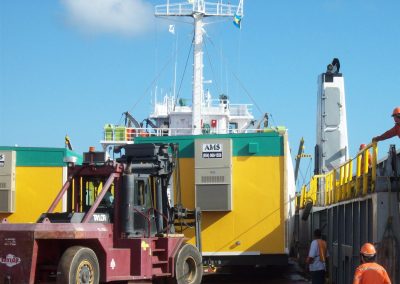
82 193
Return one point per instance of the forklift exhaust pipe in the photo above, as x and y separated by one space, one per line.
127 202
159 203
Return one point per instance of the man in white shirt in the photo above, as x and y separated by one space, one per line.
317 258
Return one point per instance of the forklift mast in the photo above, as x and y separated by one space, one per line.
147 172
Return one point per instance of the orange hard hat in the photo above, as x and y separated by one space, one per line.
396 111
368 249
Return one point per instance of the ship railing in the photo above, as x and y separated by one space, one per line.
122 134
209 8
174 9
128 134
240 109
217 9
215 106
214 110
354 178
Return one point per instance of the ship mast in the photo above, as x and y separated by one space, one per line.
198 9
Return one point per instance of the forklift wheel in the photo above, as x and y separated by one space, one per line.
188 266
78 265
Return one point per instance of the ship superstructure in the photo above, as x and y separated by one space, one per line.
218 116
205 114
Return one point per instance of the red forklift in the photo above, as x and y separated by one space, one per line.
119 226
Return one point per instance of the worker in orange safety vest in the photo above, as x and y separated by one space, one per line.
395 130
317 257
370 272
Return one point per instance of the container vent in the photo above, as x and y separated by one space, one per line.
212 179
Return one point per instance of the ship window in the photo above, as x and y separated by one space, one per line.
232 126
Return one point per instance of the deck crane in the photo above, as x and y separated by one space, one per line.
300 155
131 121
263 121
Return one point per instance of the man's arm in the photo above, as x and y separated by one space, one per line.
313 252
388 134
387 279
309 260
357 276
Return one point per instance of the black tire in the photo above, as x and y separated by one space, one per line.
78 265
188 266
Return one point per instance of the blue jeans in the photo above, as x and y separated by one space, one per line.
318 277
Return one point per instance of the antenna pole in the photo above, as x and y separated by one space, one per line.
197 94
198 9
176 63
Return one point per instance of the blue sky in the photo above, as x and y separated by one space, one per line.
72 66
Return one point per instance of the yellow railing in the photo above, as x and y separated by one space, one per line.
342 183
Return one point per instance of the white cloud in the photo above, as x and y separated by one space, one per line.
123 17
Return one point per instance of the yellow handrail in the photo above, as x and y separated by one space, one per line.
341 183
